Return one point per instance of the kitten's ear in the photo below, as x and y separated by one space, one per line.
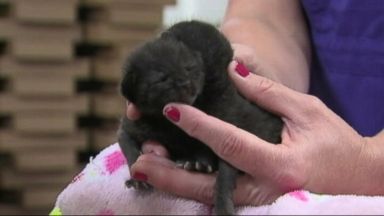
167 35
128 83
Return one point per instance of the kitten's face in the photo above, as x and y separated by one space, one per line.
161 72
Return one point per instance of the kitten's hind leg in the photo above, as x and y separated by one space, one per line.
225 185
131 151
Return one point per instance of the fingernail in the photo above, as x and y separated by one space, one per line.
172 113
241 70
140 176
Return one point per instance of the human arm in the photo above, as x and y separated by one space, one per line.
319 151
271 39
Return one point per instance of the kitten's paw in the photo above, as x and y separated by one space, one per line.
138 185
194 166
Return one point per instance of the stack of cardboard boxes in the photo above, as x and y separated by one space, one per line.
41 71
40 98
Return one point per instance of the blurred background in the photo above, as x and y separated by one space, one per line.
60 63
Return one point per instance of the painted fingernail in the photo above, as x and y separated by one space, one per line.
172 113
140 176
241 70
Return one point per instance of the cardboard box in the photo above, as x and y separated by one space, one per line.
145 3
77 68
109 105
43 49
46 11
43 85
42 32
45 122
40 197
12 179
128 15
108 65
145 19
10 29
14 209
138 3
12 141
6 28
103 32
57 159
10 103
35 42
103 137
108 69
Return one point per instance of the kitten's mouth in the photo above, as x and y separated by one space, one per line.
189 94
186 96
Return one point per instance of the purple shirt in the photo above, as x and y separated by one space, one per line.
348 59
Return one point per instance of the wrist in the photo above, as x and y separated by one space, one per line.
371 166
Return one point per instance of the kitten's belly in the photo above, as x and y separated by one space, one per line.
178 144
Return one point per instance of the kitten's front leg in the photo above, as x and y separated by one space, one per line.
131 150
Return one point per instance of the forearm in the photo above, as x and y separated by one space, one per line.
276 31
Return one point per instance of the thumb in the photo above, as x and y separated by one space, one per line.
266 93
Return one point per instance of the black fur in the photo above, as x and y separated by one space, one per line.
188 64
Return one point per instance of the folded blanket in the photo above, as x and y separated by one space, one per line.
100 190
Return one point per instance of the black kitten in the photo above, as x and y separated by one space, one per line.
188 64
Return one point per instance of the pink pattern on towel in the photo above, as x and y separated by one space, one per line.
300 195
114 161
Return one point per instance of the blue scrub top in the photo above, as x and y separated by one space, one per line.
347 72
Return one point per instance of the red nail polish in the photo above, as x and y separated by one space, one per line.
241 70
172 113
140 176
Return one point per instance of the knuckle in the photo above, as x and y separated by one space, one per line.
230 145
314 105
265 85
314 102
194 127
161 181
293 174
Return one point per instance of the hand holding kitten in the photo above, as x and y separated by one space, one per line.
317 148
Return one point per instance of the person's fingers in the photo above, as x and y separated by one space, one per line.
270 95
153 147
246 56
252 191
164 175
132 112
240 148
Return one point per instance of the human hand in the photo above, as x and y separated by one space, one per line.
319 151
295 77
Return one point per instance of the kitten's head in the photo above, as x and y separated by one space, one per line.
162 71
